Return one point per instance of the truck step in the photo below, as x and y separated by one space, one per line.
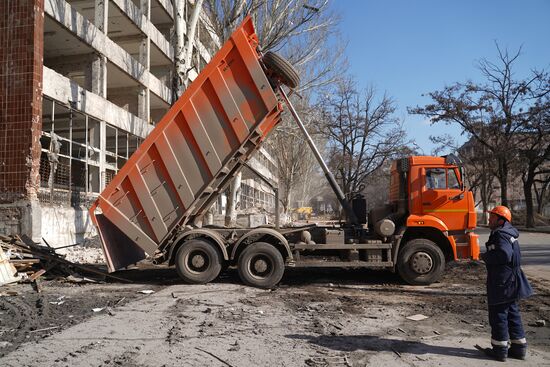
342 264
357 246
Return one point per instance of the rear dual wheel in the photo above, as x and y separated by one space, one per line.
198 262
261 265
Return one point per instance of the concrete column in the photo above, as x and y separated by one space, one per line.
101 19
145 7
144 99
99 75
102 149
99 62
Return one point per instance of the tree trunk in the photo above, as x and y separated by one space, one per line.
528 193
503 179
184 50
191 30
232 201
179 52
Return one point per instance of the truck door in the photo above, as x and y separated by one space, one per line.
442 197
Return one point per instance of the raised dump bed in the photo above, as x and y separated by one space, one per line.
191 155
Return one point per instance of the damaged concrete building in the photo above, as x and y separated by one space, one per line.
82 83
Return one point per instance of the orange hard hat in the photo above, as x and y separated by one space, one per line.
502 211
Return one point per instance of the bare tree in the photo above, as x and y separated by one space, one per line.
295 161
533 144
299 29
185 42
541 186
489 111
362 132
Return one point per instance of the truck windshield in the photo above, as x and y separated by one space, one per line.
435 179
441 179
452 179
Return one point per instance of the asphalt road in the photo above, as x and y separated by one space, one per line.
535 252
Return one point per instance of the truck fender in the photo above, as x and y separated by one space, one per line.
265 231
200 232
429 223
426 221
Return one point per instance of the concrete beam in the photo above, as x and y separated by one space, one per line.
167 5
60 88
140 19
68 17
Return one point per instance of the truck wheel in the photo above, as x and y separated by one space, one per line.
261 265
198 262
420 262
282 69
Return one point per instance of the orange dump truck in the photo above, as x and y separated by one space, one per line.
151 206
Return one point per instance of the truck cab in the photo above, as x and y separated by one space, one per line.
429 211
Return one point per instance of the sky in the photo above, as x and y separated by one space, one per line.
412 47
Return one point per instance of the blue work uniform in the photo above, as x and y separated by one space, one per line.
506 284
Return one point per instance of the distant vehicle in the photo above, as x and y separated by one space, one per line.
152 204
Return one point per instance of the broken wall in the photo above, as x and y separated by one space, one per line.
21 53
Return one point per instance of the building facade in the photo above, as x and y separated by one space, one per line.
82 83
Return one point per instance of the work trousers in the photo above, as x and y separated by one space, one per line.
505 321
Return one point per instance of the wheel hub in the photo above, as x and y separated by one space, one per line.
197 261
421 262
260 266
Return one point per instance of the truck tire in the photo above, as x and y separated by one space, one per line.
282 69
198 262
420 262
261 265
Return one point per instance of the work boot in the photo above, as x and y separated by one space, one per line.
518 351
497 352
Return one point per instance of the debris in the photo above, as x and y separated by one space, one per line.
7 270
396 352
234 347
417 317
538 323
45 329
31 260
174 295
98 309
403 331
110 311
9 293
348 363
437 332
147 291
120 300
79 279
215 356
36 275
260 312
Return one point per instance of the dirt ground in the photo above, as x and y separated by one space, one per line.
328 317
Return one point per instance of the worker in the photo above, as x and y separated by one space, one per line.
506 284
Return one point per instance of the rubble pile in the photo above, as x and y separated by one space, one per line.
25 260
